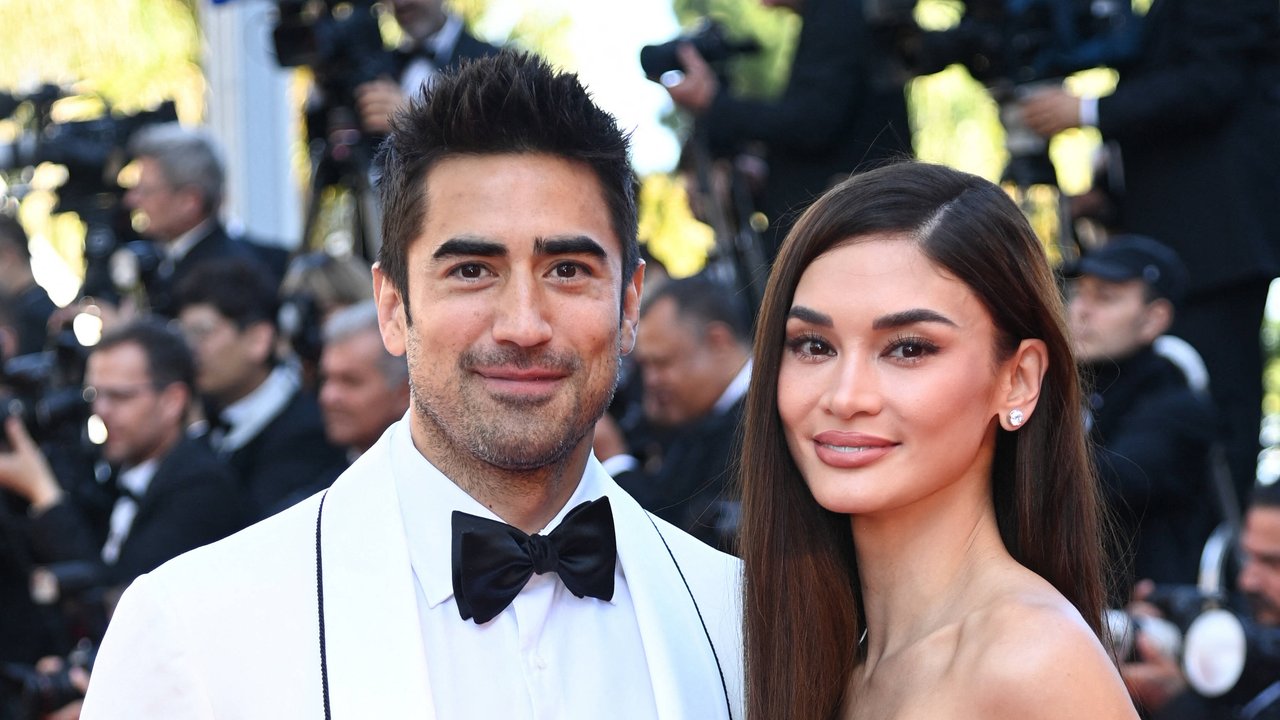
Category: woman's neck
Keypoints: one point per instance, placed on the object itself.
(919, 566)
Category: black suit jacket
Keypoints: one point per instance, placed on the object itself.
(693, 487)
(835, 117)
(1196, 117)
(1153, 438)
(216, 245)
(467, 47)
(289, 459)
(192, 501)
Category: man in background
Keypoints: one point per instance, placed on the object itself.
(1153, 434)
(363, 388)
(178, 195)
(434, 39)
(693, 352)
(262, 422)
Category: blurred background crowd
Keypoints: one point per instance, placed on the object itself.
(188, 214)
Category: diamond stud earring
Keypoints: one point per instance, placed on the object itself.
(1016, 417)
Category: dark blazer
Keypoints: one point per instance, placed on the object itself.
(467, 47)
(1153, 438)
(1196, 117)
(217, 245)
(835, 117)
(692, 486)
(192, 501)
(289, 459)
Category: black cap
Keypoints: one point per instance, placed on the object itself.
(1135, 257)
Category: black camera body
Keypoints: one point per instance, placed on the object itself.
(44, 389)
(708, 38)
(41, 693)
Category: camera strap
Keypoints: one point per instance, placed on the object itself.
(324, 662)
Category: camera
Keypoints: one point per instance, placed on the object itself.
(708, 38)
(44, 389)
(40, 693)
(93, 151)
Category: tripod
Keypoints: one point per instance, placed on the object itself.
(739, 258)
(340, 187)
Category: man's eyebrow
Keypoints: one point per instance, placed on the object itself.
(571, 245)
(464, 246)
(810, 316)
(910, 317)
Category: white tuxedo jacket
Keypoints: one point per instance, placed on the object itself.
(231, 630)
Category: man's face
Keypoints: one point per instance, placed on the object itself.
(1260, 574)
(142, 421)
(419, 18)
(168, 212)
(229, 361)
(356, 399)
(514, 285)
(1108, 320)
(683, 376)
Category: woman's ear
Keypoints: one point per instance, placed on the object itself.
(1023, 376)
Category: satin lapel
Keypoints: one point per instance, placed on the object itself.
(377, 666)
(686, 679)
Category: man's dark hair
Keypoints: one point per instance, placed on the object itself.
(13, 235)
(701, 300)
(512, 103)
(169, 358)
(237, 288)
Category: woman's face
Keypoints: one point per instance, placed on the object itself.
(889, 383)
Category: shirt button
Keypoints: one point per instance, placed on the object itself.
(540, 663)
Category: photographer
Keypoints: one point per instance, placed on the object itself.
(435, 39)
(170, 493)
(835, 117)
(179, 194)
(1157, 682)
(1152, 433)
(1194, 117)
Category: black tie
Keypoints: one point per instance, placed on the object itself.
(492, 560)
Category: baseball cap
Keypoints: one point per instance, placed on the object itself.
(1135, 257)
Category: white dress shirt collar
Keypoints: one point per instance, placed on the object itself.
(737, 388)
(247, 416)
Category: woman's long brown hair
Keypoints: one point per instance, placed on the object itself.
(802, 613)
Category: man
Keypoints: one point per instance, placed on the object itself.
(837, 114)
(363, 388)
(1156, 681)
(172, 493)
(179, 193)
(1192, 117)
(28, 305)
(1153, 433)
(263, 423)
(434, 40)
(693, 352)
(509, 276)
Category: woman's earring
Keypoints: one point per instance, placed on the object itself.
(1016, 417)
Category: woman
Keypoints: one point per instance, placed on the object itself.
(920, 524)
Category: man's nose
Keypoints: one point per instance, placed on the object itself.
(521, 318)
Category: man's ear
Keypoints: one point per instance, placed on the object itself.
(175, 398)
(632, 291)
(392, 323)
(1157, 318)
(262, 340)
(1023, 378)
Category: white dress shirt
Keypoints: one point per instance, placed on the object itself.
(135, 480)
(547, 655)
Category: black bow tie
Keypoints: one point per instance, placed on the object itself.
(492, 560)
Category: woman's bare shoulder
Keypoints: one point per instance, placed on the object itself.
(1029, 654)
